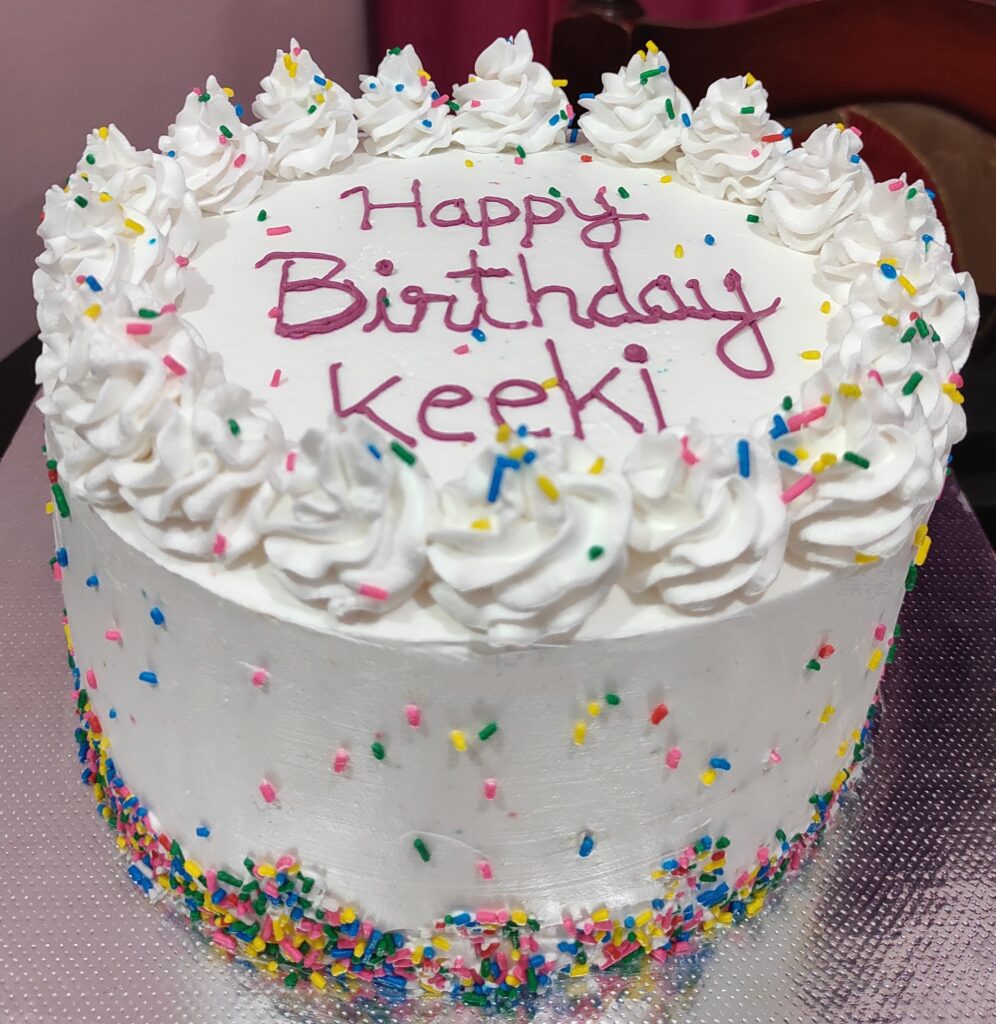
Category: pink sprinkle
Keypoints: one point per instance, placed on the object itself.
(568, 923)
(114, 635)
(475, 103)
(273, 313)
(957, 380)
(239, 160)
(284, 862)
(484, 869)
(895, 186)
(266, 790)
(440, 100)
(220, 544)
(297, 51)
(519, 160)
(673, 757)
(291, 461)
(341, 761)
(283, 229)
(291, 952)
(876, 376)
(490, 789)
(275, 379)
(222, 141)
(170, 307)
(91, 679)
(260, 677)
(182, 261)
(197, 90)
(570, 111)
(80, 278)
(138, 328)
(755, 153)
(807, 416)
(855, 129)
(486, 916)
(689, 457)
(211, 877)
(762, 854)
(57, 572)
(774, 757)
(880, 632)
(461, 350)
(371, 590)
(801, 485)
(172, 365)
(414, 715)
(742, 879)
(225, 940)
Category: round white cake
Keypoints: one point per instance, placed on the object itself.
(483, 535)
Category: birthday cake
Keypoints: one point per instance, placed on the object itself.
(483, 529)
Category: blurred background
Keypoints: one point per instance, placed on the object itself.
(918, 77)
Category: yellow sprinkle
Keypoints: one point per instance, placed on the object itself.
(888, 261)
(829, 459)
(519, 917)
(105, 197)
(417, 955)
(481, 524)
(291, 65)
(921, 552)
(597, 466)
(440, 942)
(512, 981)
(339, 967)
(458, 740)
(825, 306)
(517, 452)
(849, 390)
(278, 930)
(725, 917)
(318, 980)
(665, 179)
(843, 748)
(953, 393)
(92, 311)
(828, 712)
(49, 507)
(652, 47)
(891, 321)
(749, 79)
(503, 432)
(594, 709)
(258, 944)
(600, 915)
(876, 659)
(547, 486)
(266, 870)
(826, 399)
(319, 97)
(559, 83)
(102, 132)
(921, 532)
(907, 285)
(839, 126)
(579, 970)
(754, 907)
(838, 780)
(580, 731)
(856, 736)
(468, 163)
(708, 777)
(347, 916)
(228, 91)
(644, 918)
(133, 225)
(861, 558)
(802, 454)
(273, 965)
(811, 353)
(679, 251)
(549, 383)
(192, 868)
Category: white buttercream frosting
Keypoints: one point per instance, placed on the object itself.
(819, 185)
(222, 160)
(349, 525)
(724, 152)
(708, 520)
(637, 116)
(305, 119)
(400, 112)
(510, 101)
(536, 560)
(892, 219)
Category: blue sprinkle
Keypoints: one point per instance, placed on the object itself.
(428, 953)
(587, 845)
(669, 865)
(374, 451)
(318, 80)
(296, 914)
(477, 334)
(536, 961)
(710, 240)
(706, 842)
(786, 132)
(62, 557)
(522, 430)
(961, 292)
(686, 120)
(743, 457)
(586, 96)
(400, 87)
(426, 123)
(203, 831)
(113, 713)
(458, 919)
(171, 152)
(719, 763)
(371, 85)
(780, 427)
(149, 677)
(930, 193)
(239, 110)
(574, 135)
(529, 457)
(435, 94)
(889, 271)
(152, 241)
(629, 921)
(855, 159)
(93, 284)
(787, 457)
(555, 119)
(156, 614)
(926, 239)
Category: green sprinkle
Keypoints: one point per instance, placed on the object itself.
(787, 403)
(909, 335)
(563, 115)
(488, 731)
(623, 192)
(911, 385)
(555, 192)
(921, 327)
(613, 699)
(234, 427)
(307, 884)
(722, 843)
(403, 453)
(645, 76)
(898, 631)
(858, 460)
(377, 749)
(60, 500)
(746, 110)
(423, 850)
(261, 215)
(453, 105)
(312, 108)
(395, 50)
(224, 876)
(51, 464)
(780, 836)
(91, 159)
(148, 314)
(595, 552)
(387, 301)
(891, 656)
(752, 218)
(292, 979)
(813, 665)
(204, 97)
(81, 202)
(911, 576)
(911, 193)
(669, 107)
(521, 152)
(225, 130)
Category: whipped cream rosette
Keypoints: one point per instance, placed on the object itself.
(400, 112)
(892, 219)
(858, 472)
(305, 119)
(528, 543)
(708, 520)
(818, 186)
(637, 117)
(510, 102)
(222, 160)
(731, 148)
(348, 528)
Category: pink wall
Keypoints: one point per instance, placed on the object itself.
(74, 66)
(695, 12)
